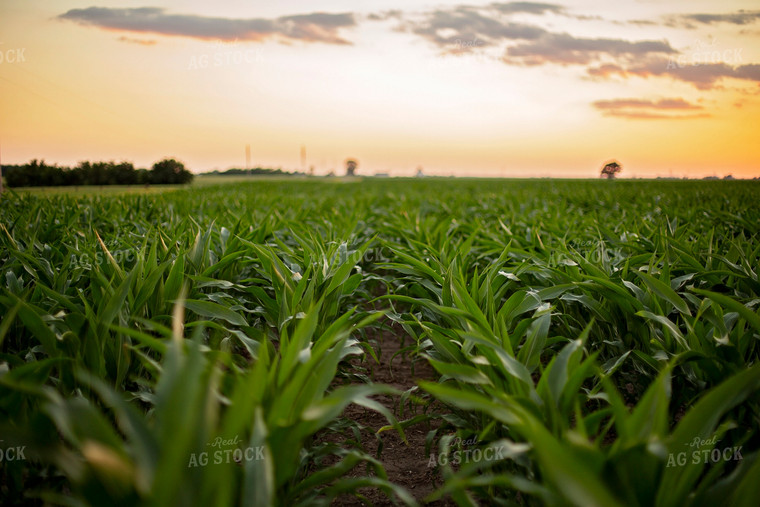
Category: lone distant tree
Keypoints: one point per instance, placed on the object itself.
(610, 169)
(351, 167)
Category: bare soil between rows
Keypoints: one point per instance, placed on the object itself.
(407, 464)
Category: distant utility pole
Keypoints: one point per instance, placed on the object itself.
(303, 158)
(247, 156)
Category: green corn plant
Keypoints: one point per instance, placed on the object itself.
(648, 464)
(595, 318)
(270, 412)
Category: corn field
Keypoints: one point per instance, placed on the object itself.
(587, 343)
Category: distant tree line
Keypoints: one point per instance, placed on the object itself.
(39, 174)
(255, 171)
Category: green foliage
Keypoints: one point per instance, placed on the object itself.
(254, 171)
(38, 174)
(170, 171)
(595, 334)
(537, 313)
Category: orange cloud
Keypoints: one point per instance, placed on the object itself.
(314, 27)
(704, 76)
(143, 42)
(663, 109)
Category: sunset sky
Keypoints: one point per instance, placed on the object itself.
(456, 87)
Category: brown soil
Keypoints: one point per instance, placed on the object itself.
(405, 463)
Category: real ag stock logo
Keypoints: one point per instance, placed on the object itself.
(697, 455)
(463, 451)
(225, 451)
(707, 53)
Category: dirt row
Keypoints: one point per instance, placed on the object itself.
(407, 464)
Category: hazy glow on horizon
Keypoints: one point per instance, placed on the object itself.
(547, 89)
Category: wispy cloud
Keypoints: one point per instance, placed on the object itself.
(466, 28)
(314, 27)
(445, 28)
(703, 77)
(641, 109)
(141, 42)
(385, 15)
(512, 27)
(565, 49)
(539, 9)
(456, 29)
(527, 7)
(504, 24)
(741, 17)
(641, 22)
